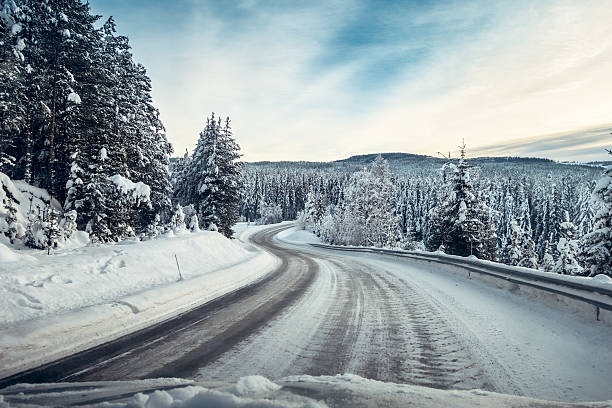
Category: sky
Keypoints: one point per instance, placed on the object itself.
(324, 80)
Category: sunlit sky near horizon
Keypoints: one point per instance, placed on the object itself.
(323, 80)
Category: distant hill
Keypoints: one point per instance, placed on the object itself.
(398, 161)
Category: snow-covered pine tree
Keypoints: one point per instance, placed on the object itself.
(586, 211)
(270, 214)
(548, 262)
(178, 219)
(382, 224)
(462, 223)
(51, 227)
(12, 108)
(596, 246)
(10, 227)
(68, 225)
(214, 177)
(567, 263)
(88, 192)
(514, 245)
(178, 171)
(529, 257)
(507, 216)
(66, 46)
(314, 210)
(364, 215)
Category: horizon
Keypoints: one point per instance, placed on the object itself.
(319, 81)
(438, 157)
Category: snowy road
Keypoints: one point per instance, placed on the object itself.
(323, 313)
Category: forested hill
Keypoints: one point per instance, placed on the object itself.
(400, 161)
(540, 197)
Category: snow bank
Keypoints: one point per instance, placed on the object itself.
(298, 237)
(89, 295)
(252, 385)
(292, 392)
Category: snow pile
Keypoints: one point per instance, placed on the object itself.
(298, 236)
(89, 294)
(252, 385)
(292, 392)
(353, 390)
(202, 397)
(7, 254)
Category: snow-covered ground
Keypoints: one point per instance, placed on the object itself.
(543, 350)
(82, 297)
(258, 392)
(394, 319)
(514, 344)
(295, 235)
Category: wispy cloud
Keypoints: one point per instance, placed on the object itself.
(321, 80)
(589, 144)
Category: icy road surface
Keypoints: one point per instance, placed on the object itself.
(324, 312)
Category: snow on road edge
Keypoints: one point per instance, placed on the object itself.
(297, 391)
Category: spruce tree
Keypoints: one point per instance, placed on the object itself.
(514, 247)
(596, 246)
(463, 222)
(214, 177)
(567, 247)
(567, 263)
(548, 262)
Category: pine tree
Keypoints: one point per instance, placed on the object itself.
(214, 177)
(463, 222)
(382, 224)
(567, 263)
(596, 246)
(529, 257)
(364, 215)
(514, 247)
(178, 219)
(548, 262)
(314, 210)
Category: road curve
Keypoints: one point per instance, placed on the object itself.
(405, 321)
(359, 320)
(179, 346)
(323, 312)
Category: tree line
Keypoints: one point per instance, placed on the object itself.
(536, 214)
(77, 120)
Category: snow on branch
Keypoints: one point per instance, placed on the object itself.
(126, 186)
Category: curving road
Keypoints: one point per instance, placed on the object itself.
(324, 313)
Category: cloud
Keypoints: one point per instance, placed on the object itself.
(563, 146)
(322, 80)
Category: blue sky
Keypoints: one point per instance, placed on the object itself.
(322, 80)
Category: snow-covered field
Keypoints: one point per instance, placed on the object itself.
(82, 297)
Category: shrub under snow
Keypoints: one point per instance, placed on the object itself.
(27, 217)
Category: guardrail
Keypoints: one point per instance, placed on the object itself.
(599, 297)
